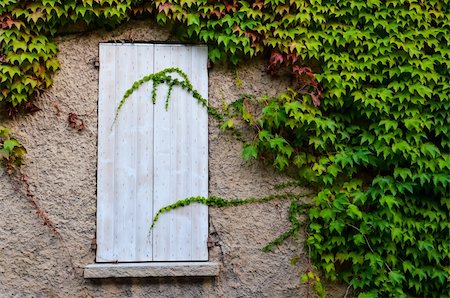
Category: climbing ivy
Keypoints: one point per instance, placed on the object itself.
(167, 76)
(381, 219)
(366, 123)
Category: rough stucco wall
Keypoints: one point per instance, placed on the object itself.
(61, 166)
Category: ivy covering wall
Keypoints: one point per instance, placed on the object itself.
(366, 123)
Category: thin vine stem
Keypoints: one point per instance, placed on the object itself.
(368, 244)
(296, 208)
(215, 201)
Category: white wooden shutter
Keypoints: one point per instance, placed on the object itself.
(151, 157)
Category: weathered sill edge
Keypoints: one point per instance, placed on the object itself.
(153, 269)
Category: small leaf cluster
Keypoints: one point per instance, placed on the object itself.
(12, 152)
(170, 77)
(317, 285)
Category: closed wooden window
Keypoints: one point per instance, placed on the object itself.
(151, 156)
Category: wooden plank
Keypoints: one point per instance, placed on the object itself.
(181, 237)
(144, 203)
(199, 154)
(105, 164)
(179, 161)
(172, 111)
(162, 186)
(125, 156)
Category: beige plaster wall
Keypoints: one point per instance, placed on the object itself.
(61, 166)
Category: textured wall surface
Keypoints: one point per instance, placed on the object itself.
(61, 166)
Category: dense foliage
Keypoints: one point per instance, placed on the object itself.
(367, 122)
(381, 218)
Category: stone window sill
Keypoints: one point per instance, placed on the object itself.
(153, 269)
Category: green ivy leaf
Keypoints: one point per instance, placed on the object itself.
(404, 173)
(371, 294)
(277, 142)
(215, 54)
(281, 162)
(9, 145)
(396, 277)
(430, 150)
(390, 201)
(337, 225)
(193, 19)
(354, 212)
(249, 152)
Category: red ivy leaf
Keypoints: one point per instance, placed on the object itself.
(274, 62)
(303, 71)
(276, 58)
(307, 83)
(217, 13)
(165, 7)
(6, 22)
(315, 99)
(231, 7)
(253, 38)
(292, 57)
(237, 29)
(258, 4)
